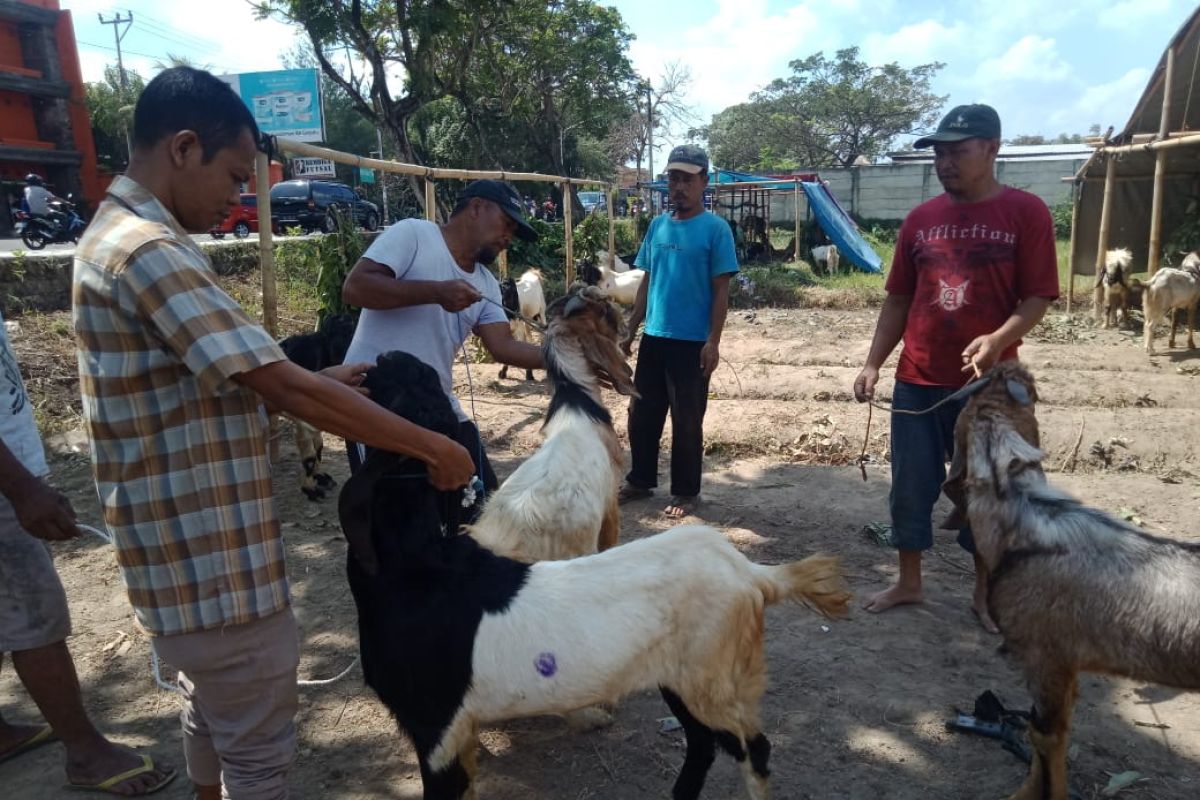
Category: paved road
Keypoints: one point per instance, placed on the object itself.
(9, 245)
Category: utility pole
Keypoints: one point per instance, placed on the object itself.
(383, 176)
(118, 35)
(649, 138)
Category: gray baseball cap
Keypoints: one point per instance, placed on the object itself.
(689, 158)
(975, 121)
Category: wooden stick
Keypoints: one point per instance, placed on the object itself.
(1102, 245)
(503, 264)
(266, 266)
(1160, 168)
(612, 228)
(796, 211)
(430, 200)
(1076, 194)
(568, 232)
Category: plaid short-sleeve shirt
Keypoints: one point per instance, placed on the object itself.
(179, 449)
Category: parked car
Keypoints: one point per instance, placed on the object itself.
(242, 221)
(593, 201)
(314, 204)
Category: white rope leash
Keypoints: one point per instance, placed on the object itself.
(156, 665)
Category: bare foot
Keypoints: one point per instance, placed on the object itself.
(895, 596)
(985, 619)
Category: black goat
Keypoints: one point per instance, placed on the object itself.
(324, 347)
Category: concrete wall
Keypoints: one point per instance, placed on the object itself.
(890, 191)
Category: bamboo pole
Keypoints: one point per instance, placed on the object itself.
(266, 265)
(401, 168)
(1187, 140)
(568, 233)
(796, 210)
(1160, 169)
(430, 200)
(1102, 244)
(612, 229)
(266, 244)
(1076, 193)
(503, 264)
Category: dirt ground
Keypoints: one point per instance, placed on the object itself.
(855, 709)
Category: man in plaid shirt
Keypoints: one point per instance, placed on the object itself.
(174, 376)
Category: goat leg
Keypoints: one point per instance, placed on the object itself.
(701, 749)
(1191, 326)
(1054, 699)
(1174, 321)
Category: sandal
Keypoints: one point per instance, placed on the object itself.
(681, 507)
(629, 492)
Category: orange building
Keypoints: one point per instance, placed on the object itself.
(44, 122)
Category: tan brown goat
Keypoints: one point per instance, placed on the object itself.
(1071, 588)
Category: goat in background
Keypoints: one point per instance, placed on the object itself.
(523, 297)
(826, 258)
(1168, 290)
(1118, 286)
(324, 347)
(1071, 588)
(454, 636)
(620, 286)
(562, 501)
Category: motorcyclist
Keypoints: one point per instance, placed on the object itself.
(38, 199)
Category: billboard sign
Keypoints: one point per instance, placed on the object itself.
(313, 168)
(284, 102)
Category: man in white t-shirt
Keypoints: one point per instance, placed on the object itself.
(34, 619)
(423, 289)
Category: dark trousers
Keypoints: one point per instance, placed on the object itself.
(668, 378)
(468, 436)
(921, 446)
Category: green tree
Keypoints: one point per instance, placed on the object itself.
(110, 106)
(828, 112)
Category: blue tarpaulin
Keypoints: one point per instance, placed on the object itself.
(840, 229)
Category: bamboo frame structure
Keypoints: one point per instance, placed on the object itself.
(431, 174)
(798, 226)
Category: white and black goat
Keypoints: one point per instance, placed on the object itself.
(1118, 286)
(1071, 588)
(826, 258)
(562, 501)
(620, 286)
(324, 347)
(1168, 290)
(454, 636)
(523, 299)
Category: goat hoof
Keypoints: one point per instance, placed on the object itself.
(591, 718)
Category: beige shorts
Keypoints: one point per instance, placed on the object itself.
(33, 605)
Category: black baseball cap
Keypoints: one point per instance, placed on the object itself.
(975, 121)
(507, 198)
(689, 158)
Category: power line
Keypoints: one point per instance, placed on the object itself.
(158, 23)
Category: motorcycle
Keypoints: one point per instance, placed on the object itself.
(66, 226)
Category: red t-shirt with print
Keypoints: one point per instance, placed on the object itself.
(968, 266)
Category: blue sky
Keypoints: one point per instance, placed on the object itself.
(1048, 67)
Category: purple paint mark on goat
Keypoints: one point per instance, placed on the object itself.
(545, 664)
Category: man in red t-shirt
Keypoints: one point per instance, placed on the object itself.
(974, 270)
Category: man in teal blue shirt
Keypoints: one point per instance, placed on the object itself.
(689, 259)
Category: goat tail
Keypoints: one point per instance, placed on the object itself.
(816, 582)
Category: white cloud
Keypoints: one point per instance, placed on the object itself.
(918, 43)
(1108, 103)
(1030, 58)
(1135, 13)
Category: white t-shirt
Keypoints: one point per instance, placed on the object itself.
(37, 197)
(17, 428)
(415, 250)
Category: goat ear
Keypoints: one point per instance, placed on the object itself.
(354, 509)
(1017, 391)
(603, 354)
(1010, 454)
(575, 304)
